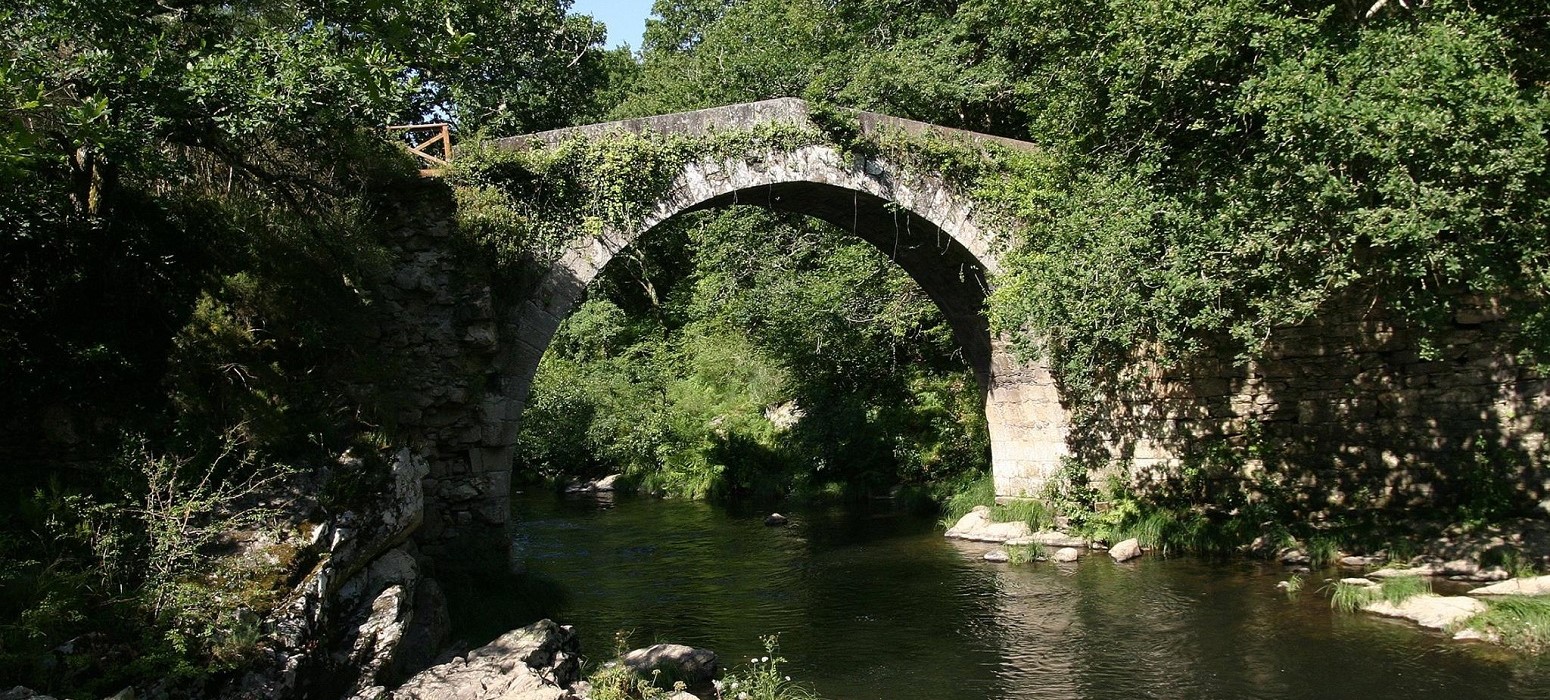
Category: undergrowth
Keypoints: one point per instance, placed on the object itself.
(1520, 622)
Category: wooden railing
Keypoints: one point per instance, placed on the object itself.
(425, 150)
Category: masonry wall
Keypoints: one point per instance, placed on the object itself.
(447, 335)
(1343, 413)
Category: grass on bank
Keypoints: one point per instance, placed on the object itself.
(1520, 622)
(1349, 597)
(982, 492)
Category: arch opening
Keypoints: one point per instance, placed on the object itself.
(917, 223)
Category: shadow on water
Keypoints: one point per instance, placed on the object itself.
(870, 603)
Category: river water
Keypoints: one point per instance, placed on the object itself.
(871, 604)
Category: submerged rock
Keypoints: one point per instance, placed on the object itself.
(676, 662)
(1127, 550)
(1536, 585)
(1066, 554)
(1051, 539)
(606, 483)
(776, 520)
(1429, 610)
(999, 556)
(977, 526)
(537, 662)
(1364, 583)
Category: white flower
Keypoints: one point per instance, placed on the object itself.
(763, 659)
(788, 678)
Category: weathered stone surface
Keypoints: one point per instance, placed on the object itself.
(1396, 572)
(1066, 554)
(775, 520)
(1537, 585)
(1127, 550)
(1364, 583)
(1460, 567)
(426, 635)
(1429, 610)
(606, 483)
(23, 693)
(537, 662)
(976, 526)
(676, 662)
(1476, 635)
(998, 556)
(1051, 539)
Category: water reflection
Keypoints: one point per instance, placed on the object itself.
(873, 604)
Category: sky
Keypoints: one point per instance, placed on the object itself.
(626, 19)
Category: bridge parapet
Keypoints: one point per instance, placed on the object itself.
(782, 110)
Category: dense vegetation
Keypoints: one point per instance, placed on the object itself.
(188, 195)
(187, 200)
(749, 353)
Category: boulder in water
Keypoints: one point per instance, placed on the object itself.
(776, 520)
(676, 662)
(1127, 550)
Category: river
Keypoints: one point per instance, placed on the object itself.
(869, 603)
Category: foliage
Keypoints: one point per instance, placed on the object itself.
(972, 491)
(679, 370)
(1208, 172)
(761, 679)
(1293, 586)
(1521, 622)
(527, 203)
(1350, 597)
(191, 205)
(1018, 554)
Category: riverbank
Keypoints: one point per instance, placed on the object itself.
(1500, 598)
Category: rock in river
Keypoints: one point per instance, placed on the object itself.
(1536, 585)
(1428, 610)
(1127, 550)
(776, 520)
(978, 527)
(1066, 554)
(998, 556)
(676, 662)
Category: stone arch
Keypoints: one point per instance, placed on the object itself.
(926, 228)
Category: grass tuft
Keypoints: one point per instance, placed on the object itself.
(1294, 586)
(1349, 597)
(1521, 622)
(1024, 553)
(1322, 552)
(1030, 511)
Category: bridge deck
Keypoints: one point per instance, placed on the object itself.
(784, 110)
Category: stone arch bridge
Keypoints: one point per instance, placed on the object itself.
(480, 356)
